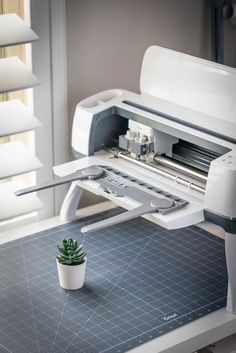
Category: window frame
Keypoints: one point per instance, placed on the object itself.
(48, 20)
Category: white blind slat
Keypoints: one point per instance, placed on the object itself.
(14, 206)
(13, 30)
(15, 159)
(15, 118)
(15, 75)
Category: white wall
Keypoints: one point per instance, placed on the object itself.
(107, 39)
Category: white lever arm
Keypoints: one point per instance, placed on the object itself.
(91, 173)
(153, 206)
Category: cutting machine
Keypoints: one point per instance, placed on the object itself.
(168, 153)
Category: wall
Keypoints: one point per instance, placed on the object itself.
(107, 39)
(230, 44)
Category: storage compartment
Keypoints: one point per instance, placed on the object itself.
(101, 98)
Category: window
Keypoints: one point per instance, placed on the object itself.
(48, 101)
(16, 148)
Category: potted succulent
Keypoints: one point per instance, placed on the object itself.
(71, 264)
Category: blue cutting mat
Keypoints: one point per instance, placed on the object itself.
(142, 281)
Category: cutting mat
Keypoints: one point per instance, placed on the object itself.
(142, 281)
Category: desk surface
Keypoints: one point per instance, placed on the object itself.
(188, 338)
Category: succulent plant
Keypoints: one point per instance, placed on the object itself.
(71, 253)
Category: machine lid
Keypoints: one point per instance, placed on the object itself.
(191, 82)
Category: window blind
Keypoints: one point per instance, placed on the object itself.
(15, 118)
(15, 158)
(13, 30)
(15, 75)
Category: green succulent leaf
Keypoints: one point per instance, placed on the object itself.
(71, 253)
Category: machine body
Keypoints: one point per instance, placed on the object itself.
(168, 153)
(177, 135)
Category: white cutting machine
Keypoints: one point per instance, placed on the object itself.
(168, 153)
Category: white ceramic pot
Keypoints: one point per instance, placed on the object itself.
(71, 277)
